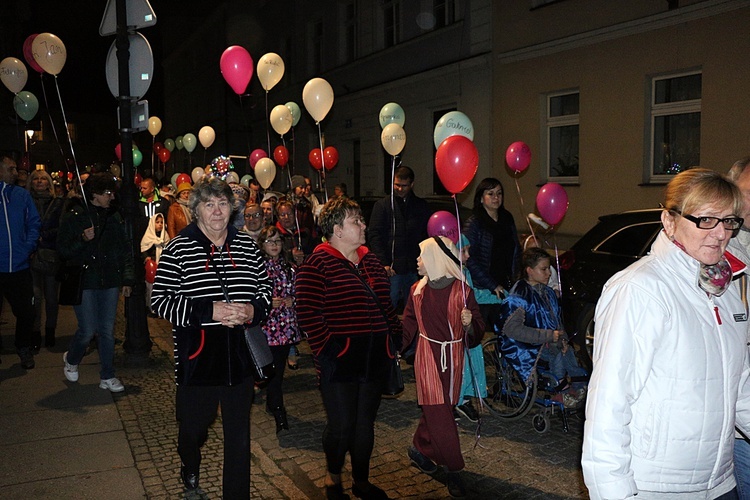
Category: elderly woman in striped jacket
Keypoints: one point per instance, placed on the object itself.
(211, 281)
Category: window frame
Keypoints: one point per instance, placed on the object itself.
(551, 122)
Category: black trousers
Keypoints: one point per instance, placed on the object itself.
(351, 408)
(274, 393)
(196, 410)
(18, 290)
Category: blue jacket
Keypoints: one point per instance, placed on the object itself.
(19, 228)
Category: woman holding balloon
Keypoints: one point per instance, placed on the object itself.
(495, 249)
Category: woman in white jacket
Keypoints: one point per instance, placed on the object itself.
(670, 363)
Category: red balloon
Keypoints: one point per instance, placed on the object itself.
(443, 223)
(257, 155)
(137, 179)
(118, 151)
(28, 53)
(316, 159)
(150, 270)
(281, 156)
(552, 202)
(182, 178)
(518, 156)
(164, 155)
(237, 67)
(331, 156)
(158, 146)
(456, 162)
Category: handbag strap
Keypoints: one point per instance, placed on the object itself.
(369, 289)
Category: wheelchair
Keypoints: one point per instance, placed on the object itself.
(514, 388)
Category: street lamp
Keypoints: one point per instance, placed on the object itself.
(29, 135)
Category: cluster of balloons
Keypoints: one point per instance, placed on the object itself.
(137, 155)
(236, 66)
(206, 136)
(328, 158)
(392, 119)
(457, 158)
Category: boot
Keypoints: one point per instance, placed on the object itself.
(49, 337)
(279, 414)
(36, 341)
(27, 358)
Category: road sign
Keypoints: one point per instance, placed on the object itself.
(141, 66)
(140, 15)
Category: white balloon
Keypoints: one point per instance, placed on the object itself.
(270, 70)
(265, 172)
(317, 97)
(452, 123)
(393, 138)
(207, 136)
(13, 74)
(281, 119)
(197, 174)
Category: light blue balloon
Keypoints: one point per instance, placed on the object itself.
(296, 112)
(178, 143)
(26, 105)
(453, 123)
(245, 181)
(391, 113)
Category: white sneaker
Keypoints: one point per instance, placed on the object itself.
(113, 384)
(71, 371)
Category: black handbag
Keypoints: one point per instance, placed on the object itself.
(256, 340)
(45, 261)
(71, 285)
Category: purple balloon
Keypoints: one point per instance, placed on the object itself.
(443, 223)
(552, 202)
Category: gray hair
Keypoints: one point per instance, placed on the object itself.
(207, 188)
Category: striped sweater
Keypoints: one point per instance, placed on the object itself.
(187, 285)
(331, 300)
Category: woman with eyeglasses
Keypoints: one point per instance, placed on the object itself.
(93, 235)
(670, 378)
(280, 326)
(344, 307)
(253, 221)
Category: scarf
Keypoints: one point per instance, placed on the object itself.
(150, 238)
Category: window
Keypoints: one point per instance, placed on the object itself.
(316, 46)
(348, 32)
(562, 135)
(444, 12)
(631, 241)
(391, 22)
(675, 124)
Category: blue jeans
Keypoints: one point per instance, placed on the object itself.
(400, 286)
(96, 315)
(742, 468)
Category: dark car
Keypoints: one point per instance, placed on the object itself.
(614, 243)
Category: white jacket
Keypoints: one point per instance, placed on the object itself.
(670, 368)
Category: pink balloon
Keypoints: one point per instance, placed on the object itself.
(443, 223)
(28, 53)
(237, 68)
(518, 156)
(552, 202)
(257, 155)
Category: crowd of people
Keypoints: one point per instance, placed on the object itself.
(671, 330)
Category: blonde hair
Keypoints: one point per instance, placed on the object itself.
(700, 186)
(40, 173)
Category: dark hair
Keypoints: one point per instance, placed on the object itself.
(531, 257)
(98, 183)
(484, 185)
(334, 212)
(404, 172)
(268, 232)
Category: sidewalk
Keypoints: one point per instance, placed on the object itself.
(61, 440)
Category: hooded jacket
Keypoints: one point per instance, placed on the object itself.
(670, 381)
(20, 228)
(185, 289)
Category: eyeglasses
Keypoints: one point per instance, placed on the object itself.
(253, 216)
(107, 193)
(272, 242)
(705, 222)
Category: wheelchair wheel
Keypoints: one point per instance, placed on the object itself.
(508, 396)
(540, 422)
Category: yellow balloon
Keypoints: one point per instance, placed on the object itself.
(281, 119)
(49, 53)
(154, 125)
(265, 172)
(13, 74)
(317, 97)
(270, 70)
(207, 136)
(393, 138)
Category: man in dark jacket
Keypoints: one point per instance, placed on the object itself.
(398, 249)
(18, 240)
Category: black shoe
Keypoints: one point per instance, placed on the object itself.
(49, 337)
(468, 411)
(336, 492)
(456, 416)
(190, 480)
(282, 424)
(368, 491)
(27, 359)
(455, 485)
(421, 462)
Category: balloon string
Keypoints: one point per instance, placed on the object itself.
(153, 153)
(268, 123)
(323, 162)
(557, 263)
(460, 248)
(523, 211)
(72, 151)
(247, 129)
(393, 211)
(294, 149)
(51, 122)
